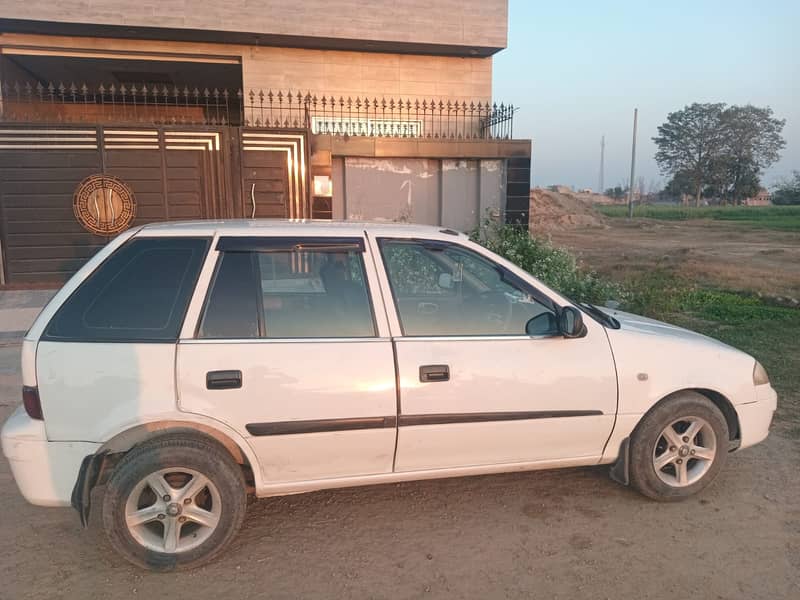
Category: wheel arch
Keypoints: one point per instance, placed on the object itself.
(620, 467)
(719, 400)
(727, 409)
(97, 468)
(138, 434)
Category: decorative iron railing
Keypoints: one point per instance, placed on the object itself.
(326, 115)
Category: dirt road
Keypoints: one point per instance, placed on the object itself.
(715, 252)
(559, 534)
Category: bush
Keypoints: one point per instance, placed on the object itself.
(788, 192)
(555, 267)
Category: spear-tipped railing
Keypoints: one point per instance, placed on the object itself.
(159, 104)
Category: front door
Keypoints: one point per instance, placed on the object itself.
(476, 389)
(289, 353)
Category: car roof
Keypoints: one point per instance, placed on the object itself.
(295, 227)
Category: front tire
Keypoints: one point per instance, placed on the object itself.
(174, 503)
(678, 448)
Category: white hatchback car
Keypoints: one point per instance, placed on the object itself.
(187, 364)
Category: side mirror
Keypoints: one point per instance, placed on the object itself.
(570, 323)
(445, 281)
(542, 324)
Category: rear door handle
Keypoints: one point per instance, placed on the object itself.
(434, 373)
(223, 380)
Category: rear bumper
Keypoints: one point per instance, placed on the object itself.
(45, 471)
(756, 417)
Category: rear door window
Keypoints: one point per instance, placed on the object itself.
(297, 292)
(139, 294)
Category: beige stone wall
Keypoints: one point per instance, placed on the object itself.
(368, 74)
(319, 72)
(480, 23)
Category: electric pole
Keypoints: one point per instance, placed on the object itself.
(602, 164)
(633, 164)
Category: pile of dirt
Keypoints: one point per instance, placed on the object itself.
(552, 210)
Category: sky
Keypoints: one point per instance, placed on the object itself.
(577, 69)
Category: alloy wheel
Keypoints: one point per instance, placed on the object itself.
(173, 510)
(684, 451)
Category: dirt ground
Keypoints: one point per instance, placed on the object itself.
(711, 252)
(552, 534)
(552, 210)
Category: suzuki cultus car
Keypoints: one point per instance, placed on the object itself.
(189, 364)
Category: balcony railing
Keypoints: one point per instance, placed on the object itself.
(324, 115)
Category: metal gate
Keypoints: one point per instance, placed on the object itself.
(175, 173)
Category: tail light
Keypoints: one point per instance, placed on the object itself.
(30, 399)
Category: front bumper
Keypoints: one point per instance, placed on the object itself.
(45, 471)
(756, 417)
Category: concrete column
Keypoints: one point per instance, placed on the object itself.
(492, 189)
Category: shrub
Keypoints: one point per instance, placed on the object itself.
(555, 267)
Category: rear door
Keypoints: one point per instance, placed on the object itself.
(292, 353)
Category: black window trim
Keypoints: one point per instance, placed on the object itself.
(290, 243)
(45, 337)
(207, 298)
(440, 245)
(287, 244)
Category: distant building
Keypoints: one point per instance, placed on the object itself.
(762, 198)
(561, 189)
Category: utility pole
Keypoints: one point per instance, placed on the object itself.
(633, 164)
(602, 164)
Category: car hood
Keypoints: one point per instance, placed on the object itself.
(644, 325)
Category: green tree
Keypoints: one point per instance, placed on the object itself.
(691, 142)
(617, 192)
(788, 191)
(679, 186)
(752, 142)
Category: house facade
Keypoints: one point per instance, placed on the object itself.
(115, 113)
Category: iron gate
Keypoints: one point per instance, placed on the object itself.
(175, 173)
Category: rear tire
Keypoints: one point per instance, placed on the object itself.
(678, 448)
(174, 503)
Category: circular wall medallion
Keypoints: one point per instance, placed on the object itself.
(104, 205)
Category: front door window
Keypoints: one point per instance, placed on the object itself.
(447, 290)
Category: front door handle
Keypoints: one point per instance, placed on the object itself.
(223, 380)
(434, 373)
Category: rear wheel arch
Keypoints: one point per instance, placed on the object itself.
(126, 440)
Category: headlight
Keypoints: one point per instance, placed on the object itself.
(760, 376)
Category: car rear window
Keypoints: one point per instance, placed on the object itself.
(139, 294)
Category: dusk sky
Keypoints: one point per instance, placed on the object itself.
(577, 70)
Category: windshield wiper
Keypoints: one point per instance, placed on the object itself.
(599, 315)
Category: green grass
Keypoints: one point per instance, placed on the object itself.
(785, 218)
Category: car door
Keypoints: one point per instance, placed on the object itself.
(475, 387)
(290, 352)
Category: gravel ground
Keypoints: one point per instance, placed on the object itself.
(557, 534)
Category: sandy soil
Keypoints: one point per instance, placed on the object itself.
(559, 534)
(712, 252)
(553, 211)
